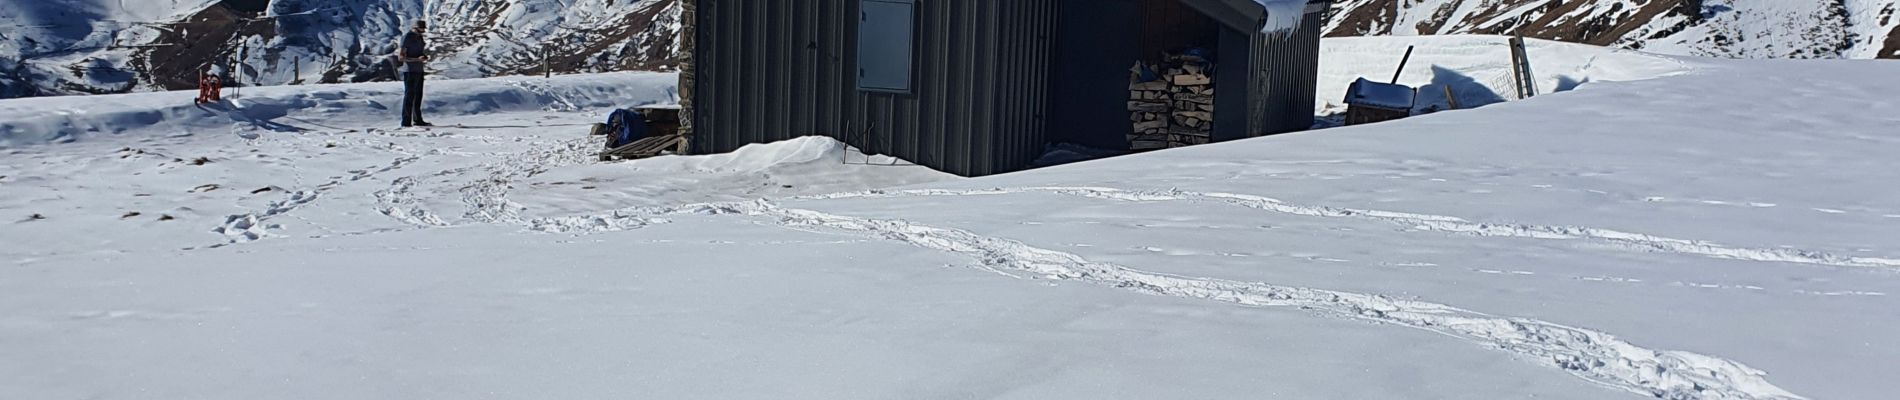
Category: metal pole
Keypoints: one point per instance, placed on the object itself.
(1402, 62)
(237, 74)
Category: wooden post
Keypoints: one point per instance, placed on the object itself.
(1521, 68)
(1449, 99)
(1517, 74)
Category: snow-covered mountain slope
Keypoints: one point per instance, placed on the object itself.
(1717, 28)
(101, 46)
(62, 47)
(485, 38)
(1724, 230)
(78, 46)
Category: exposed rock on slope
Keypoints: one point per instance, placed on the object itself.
(1717, 28)
(106, 46)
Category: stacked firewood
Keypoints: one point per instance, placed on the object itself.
(1174, 111)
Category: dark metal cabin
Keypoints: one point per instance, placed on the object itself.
(976, 87)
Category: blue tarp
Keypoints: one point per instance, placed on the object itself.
(627, 126)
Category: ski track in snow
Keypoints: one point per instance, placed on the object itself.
(1424, 222)
(1595, 356)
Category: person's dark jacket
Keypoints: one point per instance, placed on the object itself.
(413, 47)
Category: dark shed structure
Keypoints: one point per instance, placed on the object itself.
(977, 87)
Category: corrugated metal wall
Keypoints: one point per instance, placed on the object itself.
(771, 70)
(1286, 73)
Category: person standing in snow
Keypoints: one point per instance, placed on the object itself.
(413, 53)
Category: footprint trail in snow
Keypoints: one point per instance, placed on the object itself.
(1596, 356)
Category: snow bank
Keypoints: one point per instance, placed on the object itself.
(302, 108)
(757, 158)
(803, 166)
(1477, 68)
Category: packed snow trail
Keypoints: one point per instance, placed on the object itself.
(1421, 221)
(1597, 356)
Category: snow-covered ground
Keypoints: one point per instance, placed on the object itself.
(315, 109)
(1477, 68)
(517, 148)
(1723, 230)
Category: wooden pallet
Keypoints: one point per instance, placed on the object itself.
(646, 148)
(663, 122)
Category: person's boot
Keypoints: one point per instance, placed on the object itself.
(424, 124)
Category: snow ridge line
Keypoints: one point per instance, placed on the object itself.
(1422, 221)
(1592, 355)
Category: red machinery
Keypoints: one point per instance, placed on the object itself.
(209, 87)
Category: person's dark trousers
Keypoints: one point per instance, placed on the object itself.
(412, 99)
